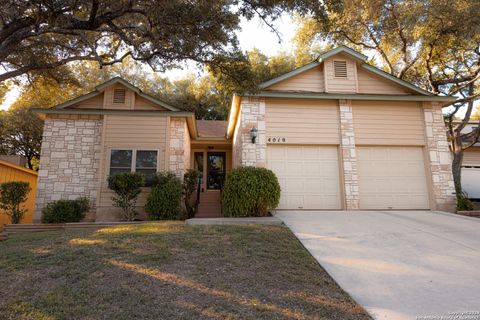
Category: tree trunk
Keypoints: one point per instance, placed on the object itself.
(457, 171)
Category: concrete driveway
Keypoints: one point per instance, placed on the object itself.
(397, 264)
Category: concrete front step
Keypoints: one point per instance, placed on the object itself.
(234, 221)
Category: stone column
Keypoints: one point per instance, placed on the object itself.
(349, 156)
(179, 147)
(439, 157)
(252, 114)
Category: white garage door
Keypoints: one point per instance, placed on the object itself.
(308, 176)
(392, 178)
(471, 181)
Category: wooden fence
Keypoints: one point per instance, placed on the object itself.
(11, 172)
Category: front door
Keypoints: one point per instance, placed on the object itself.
(215, 170)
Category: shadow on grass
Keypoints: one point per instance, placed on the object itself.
(167, 270)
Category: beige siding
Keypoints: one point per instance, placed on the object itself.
(311, 80)
(303, 121)
(108, 98)
(144, 104)
(131, 132)
(92, 103)
(334, 84)
(471, 157)
(388, 123)
(369, 82)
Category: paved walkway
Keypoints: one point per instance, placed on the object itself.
(234, 221)
(397, 264)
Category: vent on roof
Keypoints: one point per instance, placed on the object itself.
(340, 68)
(118, 95)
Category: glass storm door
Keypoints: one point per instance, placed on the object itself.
(215, 170)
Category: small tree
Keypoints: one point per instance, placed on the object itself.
(190, 183)
(12, 194)
(127, 188)
(164, 201)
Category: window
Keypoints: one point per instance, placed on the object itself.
(143, 161)
(118, 95)
(340, 68)
(146, 163)
(120, 161)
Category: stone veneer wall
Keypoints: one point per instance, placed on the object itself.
(349, 156)
(179, 148)
(252, 114)
(440, 158)
(70, 159)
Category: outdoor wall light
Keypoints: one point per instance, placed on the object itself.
(253, 134)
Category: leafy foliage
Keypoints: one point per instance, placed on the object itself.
(65, 211)
(21, 134)
(464, 203)
(164, 201)
(190, 184)
(250, 191)
(12, 195)
(127, 188)
(35, 37)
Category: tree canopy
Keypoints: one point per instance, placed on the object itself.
(38, 35)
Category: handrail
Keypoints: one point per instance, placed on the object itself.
(199, 187)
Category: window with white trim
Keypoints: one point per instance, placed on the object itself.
(143, 161)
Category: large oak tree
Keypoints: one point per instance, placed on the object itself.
(37, 35)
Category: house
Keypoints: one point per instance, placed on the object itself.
(471, 167)
(338, 132)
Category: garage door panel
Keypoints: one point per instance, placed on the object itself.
(392, 178)
(471, 182)
(309, 176)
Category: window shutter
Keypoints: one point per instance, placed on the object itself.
(340, 68)
(119, 96)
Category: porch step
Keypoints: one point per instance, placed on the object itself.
(209, 206)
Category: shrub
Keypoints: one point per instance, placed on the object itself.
(250, 192)
(127, 188)
(464, 203)
(62, 211)
(164, 201)
(190, 183)
(12, 195)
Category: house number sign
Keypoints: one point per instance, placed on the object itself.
(277, 140)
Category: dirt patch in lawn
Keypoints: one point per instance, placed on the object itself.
(167, 271)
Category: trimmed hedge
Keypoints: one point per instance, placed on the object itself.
(250, 192)
(62, 211)
(164, 202)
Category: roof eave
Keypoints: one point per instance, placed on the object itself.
(159, 113)
(335, 96)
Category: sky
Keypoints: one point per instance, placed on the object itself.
(253, 34)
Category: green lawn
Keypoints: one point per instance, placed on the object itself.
(167, 271)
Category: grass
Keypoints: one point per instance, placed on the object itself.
(167, 271)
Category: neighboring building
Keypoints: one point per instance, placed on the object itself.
(471, 167)
(12, 172)
(338, 133)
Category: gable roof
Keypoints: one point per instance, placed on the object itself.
(350, 52)
(101, 87)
